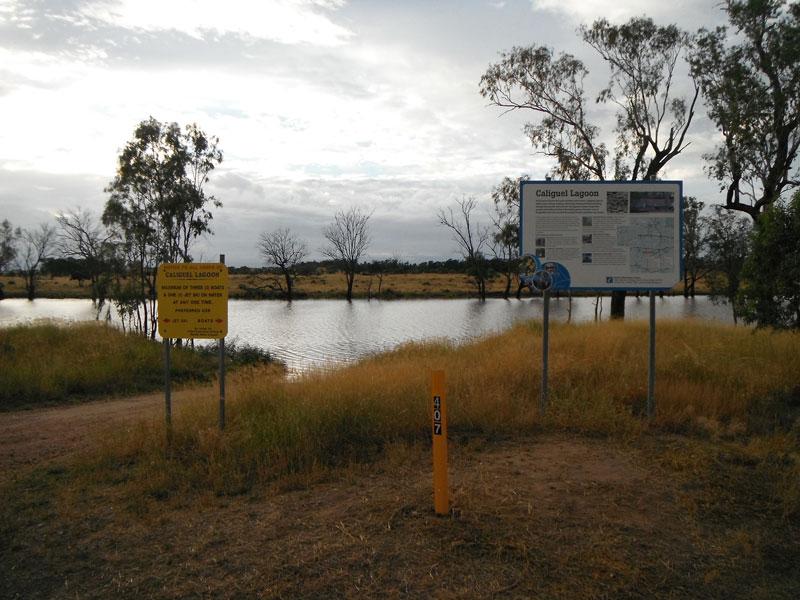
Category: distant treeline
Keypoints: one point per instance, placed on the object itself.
(391, 266)
(78, 269)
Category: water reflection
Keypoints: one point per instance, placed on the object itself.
(319, 333)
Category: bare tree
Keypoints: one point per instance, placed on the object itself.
(281, 250)
(85, 238)
(348, 238)
(35, 247)
(472, 240)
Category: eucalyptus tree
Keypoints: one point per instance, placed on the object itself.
(8, 247)
(505, 239)
(652, 118)
(158, 207)
(9, 237)
(750, 78)
(694, 244)
(347, 240)
(771, 296)
(728, 246)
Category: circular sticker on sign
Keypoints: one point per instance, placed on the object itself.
(542, 280)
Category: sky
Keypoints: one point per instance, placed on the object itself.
(319, 105)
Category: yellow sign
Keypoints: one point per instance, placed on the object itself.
(192, 300)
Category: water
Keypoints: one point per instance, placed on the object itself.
(321, 333)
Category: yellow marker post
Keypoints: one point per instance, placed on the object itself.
(441, 496)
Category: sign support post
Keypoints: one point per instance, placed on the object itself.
(222, 372)
(167, 387)
(651, 380)
(441, 499)
(545, 350)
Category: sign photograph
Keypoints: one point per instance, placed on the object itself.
(192, 300)
(601, 235)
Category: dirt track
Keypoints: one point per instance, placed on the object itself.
(30, 437)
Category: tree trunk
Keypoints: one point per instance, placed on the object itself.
(350, 277)
(288, 277)
(30, 285)
(618, 304)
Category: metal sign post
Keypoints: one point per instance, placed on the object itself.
(651, 380)
(222, 372)
(545, 351)
(167, 386)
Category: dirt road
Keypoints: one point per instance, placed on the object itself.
(35, 436)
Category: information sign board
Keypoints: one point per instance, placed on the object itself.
(588, 235)
(192, 300)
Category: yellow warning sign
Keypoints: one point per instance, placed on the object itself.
(192, 300)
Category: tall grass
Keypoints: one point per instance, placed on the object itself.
(712, 379)
(46, 363)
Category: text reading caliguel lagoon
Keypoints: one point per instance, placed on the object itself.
(190, 274)
(572, 193)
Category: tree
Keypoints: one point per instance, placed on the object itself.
(771, 294)
(348, 238)
(751, 84)
(8, 244)
(651, 121)
(694, 245)
(8, 247)
(158, 208)
(727, 250)
(471, 239)
(505, 246)
(82, 237)
(282, 251)
(35, 247)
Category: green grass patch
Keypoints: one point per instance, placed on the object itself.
(49, 363)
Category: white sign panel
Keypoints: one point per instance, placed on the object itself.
(602, 235)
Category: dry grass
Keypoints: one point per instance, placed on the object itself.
(712, 380)
(320, 487)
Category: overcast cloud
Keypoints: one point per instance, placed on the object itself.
(318, 104)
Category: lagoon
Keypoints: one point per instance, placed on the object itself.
(309, 334)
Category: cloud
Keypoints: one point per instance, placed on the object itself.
(689, 14)
(284, 21)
